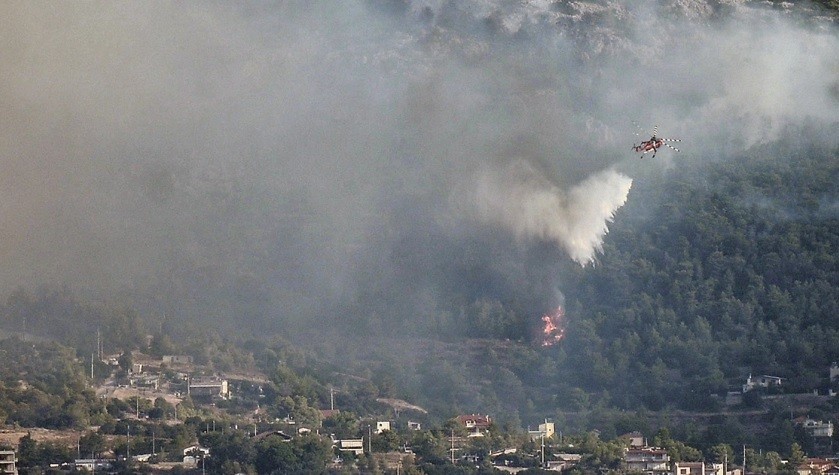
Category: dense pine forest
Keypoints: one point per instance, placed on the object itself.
(719, 270)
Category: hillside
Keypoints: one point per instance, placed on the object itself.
(391, 196)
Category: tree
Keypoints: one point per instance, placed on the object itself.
(27, 451)
(274, 454)
(126, 360)
(386, 441)
(233, 446)
(796, 455)
(313, 453)
(343, 425)
(721, 453)
(91, 444)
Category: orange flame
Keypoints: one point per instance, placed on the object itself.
(554, 328)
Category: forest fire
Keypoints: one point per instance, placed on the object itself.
(554, 328)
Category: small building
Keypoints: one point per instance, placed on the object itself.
(150, 381)
(635, 439)
(476, 424)
(414, 425)
(688, 468)
(813, 465)
(563, 461)
(196, 450)
(177, 359)
(382, 426)
(833, 470)
(715, 469)
(649, 460)
(763, 381)
(215, 388)
(815, 428)
(93, 465)
(545, 430)
(355, 446)
(8, 462)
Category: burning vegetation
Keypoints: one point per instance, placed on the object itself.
(554, 327)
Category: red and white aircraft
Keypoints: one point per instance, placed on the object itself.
(653, 144)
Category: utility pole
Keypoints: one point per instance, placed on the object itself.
(744, 459)
(452, 449)
(543, 450)
(128, 445)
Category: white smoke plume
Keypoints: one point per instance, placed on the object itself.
(529, 204)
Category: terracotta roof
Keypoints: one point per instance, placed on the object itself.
(475, 420)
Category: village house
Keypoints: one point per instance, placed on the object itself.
(93, 465)
(355, 446)
(147, 381)
(177, 359)
(382, 426)
(476, 424)
(563, 461)
(813, 465)
(8, 462)
(688, 468)
(763, 381)
(649, 460)
(193, 454)
(545, 430)
(635, 439)
(214, 388)
(815, 428)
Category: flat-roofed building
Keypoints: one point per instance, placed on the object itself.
(8, 462)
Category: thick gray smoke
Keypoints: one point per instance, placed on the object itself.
(271, 162)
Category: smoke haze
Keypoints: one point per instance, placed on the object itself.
(270, 163)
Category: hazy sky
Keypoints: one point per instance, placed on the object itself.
(276, 161)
